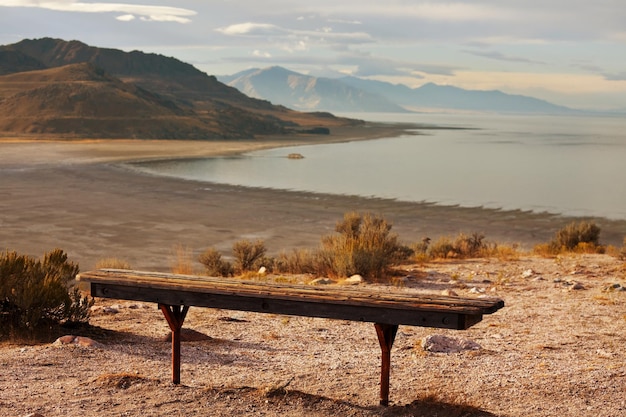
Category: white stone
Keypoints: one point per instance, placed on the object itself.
(262, 270)
(354, 279)
(528, 273)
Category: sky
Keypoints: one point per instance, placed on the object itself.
(569, 52)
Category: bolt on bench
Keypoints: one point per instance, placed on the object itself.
(387, 310)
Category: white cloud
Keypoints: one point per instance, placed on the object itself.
(251, 29)
(261, 54)
(146, 12)
(126, 17)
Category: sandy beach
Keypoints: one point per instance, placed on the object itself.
(78, 196)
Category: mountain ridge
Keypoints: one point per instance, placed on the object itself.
(387, 97)
(307, 93)
(184, 101)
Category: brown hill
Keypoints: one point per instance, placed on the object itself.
(229, 112)
(15, 61)
(84, 101)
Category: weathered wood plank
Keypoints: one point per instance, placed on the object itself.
(328, 302)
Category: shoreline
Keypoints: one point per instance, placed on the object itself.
(79, 197)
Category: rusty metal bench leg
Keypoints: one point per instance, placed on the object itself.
(175, 316)
(386, 336)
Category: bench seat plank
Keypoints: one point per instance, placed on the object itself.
(357, 304)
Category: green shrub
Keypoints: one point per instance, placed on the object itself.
(36, 293)
(248, 255)
(214, 264)
(364, 245)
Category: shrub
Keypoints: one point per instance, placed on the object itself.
(364, 245)
(464, 246)
(441, 248)
(214, 264)
(580, 237)
(574, 234)
(470, 246)
(36, 293)
(298, 261)
(248, 255)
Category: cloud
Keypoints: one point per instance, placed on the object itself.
(498, 56)
(616, 76)
(145, 12)
(295, 37)
(126, 17)
(251, 29)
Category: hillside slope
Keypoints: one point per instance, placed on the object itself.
(83, 100)
(179, 100)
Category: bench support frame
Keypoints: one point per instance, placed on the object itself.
(175, 316)
(386, 336)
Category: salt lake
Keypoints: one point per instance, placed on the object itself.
(558, 164)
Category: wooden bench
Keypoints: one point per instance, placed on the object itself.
(387, 310)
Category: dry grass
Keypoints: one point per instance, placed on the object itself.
(182, 260)
(123, 380)
(113, 263)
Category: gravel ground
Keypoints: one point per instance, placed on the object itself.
(555, 349)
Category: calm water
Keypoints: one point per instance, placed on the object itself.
(557, 164)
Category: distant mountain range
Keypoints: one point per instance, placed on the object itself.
(352, 94)
(67, 88)
(298, 91)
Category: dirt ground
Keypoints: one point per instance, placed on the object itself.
(555, 349)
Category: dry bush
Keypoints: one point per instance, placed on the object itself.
(214, 264)
(581, 237)
(37, 293)
(464, 246)
(248, 255)
(364, 245)
(112, 263)
(574, 234)
(505, 252)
